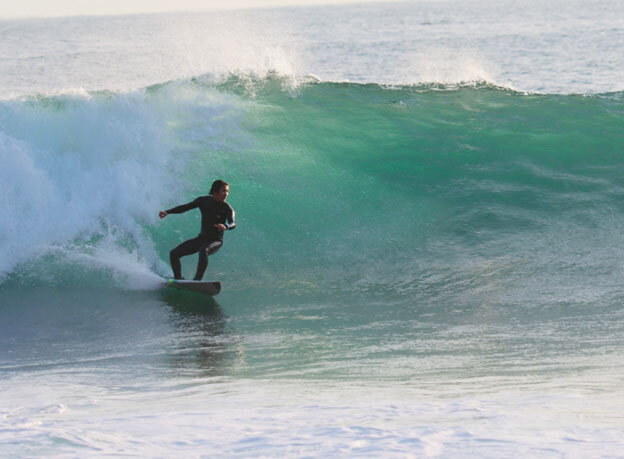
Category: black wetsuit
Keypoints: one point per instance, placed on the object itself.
(209, 240)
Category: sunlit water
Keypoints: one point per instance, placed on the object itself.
(427, 265)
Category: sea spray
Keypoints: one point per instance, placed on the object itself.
(78, 164)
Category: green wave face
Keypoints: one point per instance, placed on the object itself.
(364, 187)
(369, 189)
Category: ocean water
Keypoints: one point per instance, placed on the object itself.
(428, 258)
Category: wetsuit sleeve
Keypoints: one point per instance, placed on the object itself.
(231, 220)
(184, 207)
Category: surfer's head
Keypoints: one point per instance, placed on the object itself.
(220, 190)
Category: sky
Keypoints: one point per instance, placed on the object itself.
(47, 8)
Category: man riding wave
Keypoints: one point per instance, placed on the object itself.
(217, 216)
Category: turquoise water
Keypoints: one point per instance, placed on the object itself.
(427, 269)
(453, 251)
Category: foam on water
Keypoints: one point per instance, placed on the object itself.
(81, 165)
(290, 419)
(129, 269)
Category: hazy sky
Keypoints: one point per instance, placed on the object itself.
(26, 8)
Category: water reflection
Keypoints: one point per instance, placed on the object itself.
(201, 344)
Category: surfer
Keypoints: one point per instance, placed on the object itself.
(217, 216)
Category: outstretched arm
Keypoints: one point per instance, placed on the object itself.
(179, 209)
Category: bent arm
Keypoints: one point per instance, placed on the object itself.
(230, 223)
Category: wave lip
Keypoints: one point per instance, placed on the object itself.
(252, 83)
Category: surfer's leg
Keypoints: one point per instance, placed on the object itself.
(204, 251)
(186, 248)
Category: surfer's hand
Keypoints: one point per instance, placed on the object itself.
(220, 226)
(162, 214)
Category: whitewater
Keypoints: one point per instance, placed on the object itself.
(428, 253)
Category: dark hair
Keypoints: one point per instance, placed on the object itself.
(217, 186)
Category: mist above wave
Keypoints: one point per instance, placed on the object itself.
(548, 47)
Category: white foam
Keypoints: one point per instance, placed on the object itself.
(281, 418)
(79, 165)
(130, 269)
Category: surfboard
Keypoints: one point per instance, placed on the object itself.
(207, 287)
